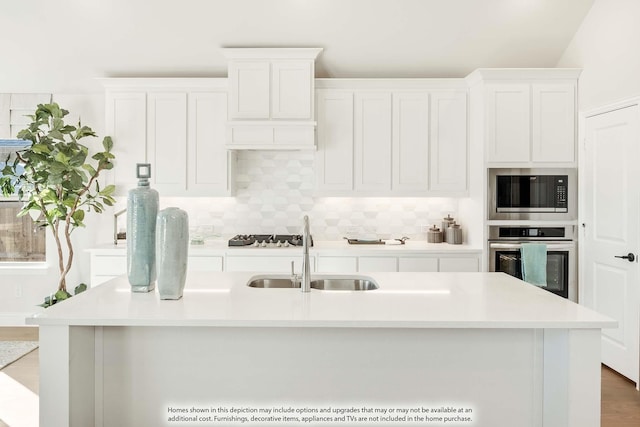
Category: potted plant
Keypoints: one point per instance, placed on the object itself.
(57, 181)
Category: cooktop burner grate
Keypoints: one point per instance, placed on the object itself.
(268, 240)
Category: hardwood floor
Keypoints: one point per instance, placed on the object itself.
(620, 399)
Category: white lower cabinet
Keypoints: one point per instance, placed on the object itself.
(205, 263)
(107, 267)
(377, 264)
(418, 264)
(337, 264)
(459, 264)
(268, 264)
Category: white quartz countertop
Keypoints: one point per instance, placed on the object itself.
(403, 300)
(333, 247)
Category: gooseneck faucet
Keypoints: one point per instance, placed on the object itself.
(305, 283)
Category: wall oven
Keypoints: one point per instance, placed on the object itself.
(532, 194)
(504, 254)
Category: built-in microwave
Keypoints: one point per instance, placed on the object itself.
(532, 194)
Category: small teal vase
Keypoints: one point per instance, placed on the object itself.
(172, 234)
(142, 210)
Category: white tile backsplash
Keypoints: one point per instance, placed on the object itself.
(275, 190)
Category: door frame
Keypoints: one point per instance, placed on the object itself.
(582, 117)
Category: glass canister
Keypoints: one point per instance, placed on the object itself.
(142, 210)
(454, 234)
(446, 222)
(434, 235)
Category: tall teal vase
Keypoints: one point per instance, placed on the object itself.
(142, 210)
(172, 240)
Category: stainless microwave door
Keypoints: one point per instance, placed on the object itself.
(513, 195)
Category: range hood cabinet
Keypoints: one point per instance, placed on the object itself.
(271, 98)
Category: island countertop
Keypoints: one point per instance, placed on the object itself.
(403, 300)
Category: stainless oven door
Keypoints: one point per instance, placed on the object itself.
(561, 265)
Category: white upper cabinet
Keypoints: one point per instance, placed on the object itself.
(271, 98)
(410, 156)
(167, 140)
(508, 121)
(177, 125)
(554, 122)
(292, 84)
(250, 84)
(334, 158)
(125, 119)
(448, 163)
(389, 137)
(530, 116)
(372, 148)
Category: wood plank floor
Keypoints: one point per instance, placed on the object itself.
(620, 399)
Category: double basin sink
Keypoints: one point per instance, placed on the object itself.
(326, 283)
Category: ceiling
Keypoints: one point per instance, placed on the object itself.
(64, 45)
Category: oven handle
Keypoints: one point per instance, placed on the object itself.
(551, 246)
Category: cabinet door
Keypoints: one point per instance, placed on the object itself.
(377, 264)
(204, 263)
(411, 142)
(337, 264)
(372, 163)
(418, 264)
(448, 141)
(291, 89)
(269, 264)
(554, 118)
(126, 118)
(334, 158)
(459, 264)
(207, 163)
(249, 86)
(508, 123)
(167, 141)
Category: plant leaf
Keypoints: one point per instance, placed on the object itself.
(80, 288)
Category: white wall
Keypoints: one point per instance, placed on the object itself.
(62, 46)
(607, 47)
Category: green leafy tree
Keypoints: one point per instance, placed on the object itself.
(57, 181)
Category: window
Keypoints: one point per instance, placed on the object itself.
(21, 240)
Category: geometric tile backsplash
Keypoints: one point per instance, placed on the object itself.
(274, 190)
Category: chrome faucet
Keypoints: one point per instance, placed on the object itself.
(305, 282)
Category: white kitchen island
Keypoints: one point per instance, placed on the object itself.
(479, 349)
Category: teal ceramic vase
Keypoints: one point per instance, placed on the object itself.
(142, 210)
(172, 234)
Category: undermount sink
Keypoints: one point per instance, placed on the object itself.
(323, 283)
(344, 284)
(272, 282)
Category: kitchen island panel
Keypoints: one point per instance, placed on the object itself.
(494, 373)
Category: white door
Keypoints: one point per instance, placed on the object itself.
(610, 216)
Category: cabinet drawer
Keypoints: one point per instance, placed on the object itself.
(251, 135)
(374, 264)
(269, 264)
(418, 264)
(109, 265)
(204, 263)
(334, 264)
(462, 264)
